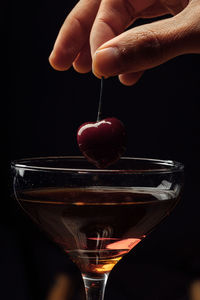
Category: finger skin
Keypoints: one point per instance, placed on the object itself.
(131, 78)
(83, 62)
(113, 17)
(149, 45)
(73, 34)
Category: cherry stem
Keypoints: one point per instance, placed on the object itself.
(100, 101)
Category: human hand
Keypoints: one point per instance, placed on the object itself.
(93, 36)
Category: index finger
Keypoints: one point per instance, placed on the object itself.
(113, 17)
(73, 34)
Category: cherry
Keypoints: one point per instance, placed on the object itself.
(102, 142)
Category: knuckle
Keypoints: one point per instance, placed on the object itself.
(150, 45)
(142, 49)
(78, 22)
(149, 39)
(105, 20)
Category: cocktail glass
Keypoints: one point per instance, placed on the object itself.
(97, 216)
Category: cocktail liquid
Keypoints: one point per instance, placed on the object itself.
(97, 226)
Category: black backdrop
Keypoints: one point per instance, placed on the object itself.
(41, 111)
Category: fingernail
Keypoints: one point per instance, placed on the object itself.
(105, 62)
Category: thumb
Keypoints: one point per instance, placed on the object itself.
(149, 45)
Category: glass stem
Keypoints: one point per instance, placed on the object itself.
(95, 287)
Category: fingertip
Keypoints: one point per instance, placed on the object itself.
(98, 75)
(83, 61)
(105, 62)
(81, 68)
(57, 62)
(131, 78)
(126, 83)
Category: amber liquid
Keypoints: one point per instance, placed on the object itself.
(97, 226)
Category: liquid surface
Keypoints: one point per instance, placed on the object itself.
(97, 226)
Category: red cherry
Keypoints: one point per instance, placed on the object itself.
(103, 142)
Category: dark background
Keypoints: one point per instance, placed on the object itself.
(41, 111)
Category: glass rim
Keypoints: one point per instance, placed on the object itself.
(168, 166)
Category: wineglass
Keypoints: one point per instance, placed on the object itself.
(95, 215)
